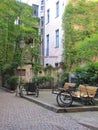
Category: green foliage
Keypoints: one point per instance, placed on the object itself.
(63, 77)
(12, 82)
(80, 25)
(7, 36)
(11, 33)
(43, 80)
(87, 74)
(8, 69)
(87, 49)
(36, 67)
(8, 72)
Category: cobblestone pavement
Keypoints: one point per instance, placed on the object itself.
(19, 114)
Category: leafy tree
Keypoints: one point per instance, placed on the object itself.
(7, 36)
(16, 23)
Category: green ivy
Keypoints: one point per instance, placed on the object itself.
(80, 25)
(36, 67)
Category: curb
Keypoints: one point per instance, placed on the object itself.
(60, 109)
(7, 90)
(55, 108)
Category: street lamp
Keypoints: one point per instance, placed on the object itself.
(18, 90)
(22, 45)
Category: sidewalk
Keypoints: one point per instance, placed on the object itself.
(48, 100)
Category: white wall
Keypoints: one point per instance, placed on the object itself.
(50, 28)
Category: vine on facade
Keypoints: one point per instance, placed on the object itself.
(80, 25)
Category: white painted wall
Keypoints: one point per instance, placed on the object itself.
(50, 28)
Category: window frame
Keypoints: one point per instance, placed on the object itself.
(57, 38)
(57, 8)
(47, 45)
(48, 15)
(35, 10)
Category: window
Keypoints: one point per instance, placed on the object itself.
(21, 72)
(42, 31)
(57, 9)
(57, 38)
(35, 10)
(42, 8)
(47, 64)
(42, 2)
(48, 15)
(47, 45)
(56, 65)
(42, 21)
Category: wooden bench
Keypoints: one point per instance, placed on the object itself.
(86, 93)
(68, 86)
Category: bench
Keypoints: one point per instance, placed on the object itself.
(69, 92)
(86, 93)
(68, 86)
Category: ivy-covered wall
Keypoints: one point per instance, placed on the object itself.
(80, 25)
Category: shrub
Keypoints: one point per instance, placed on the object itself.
(63, 77)
(43, 81)
(87, 74)
(12, 82)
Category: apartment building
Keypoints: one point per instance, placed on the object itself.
(50, 13)
(53, 46)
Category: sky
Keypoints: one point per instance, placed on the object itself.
(29, 2)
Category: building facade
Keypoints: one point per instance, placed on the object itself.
(50, 13)
(53, 46)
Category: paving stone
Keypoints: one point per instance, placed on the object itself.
(19, 114)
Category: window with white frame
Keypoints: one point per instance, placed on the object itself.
(57, 8)
(47, 45)
(35, 10)
(57, 38)
(48, 16)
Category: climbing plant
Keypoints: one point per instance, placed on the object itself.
(16, 23)
(80, 25)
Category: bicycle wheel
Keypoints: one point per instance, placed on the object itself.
(64, 99)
